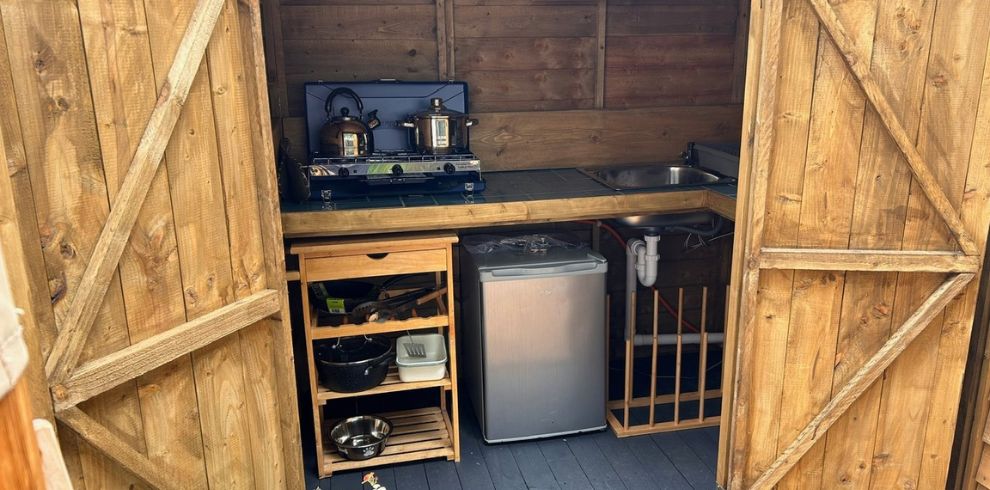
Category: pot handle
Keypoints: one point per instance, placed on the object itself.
(471, 122)
(377, 363)
(408, 124)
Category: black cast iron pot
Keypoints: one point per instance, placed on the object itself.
(353, 364)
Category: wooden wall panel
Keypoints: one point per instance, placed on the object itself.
(526, 62)
(78, 81)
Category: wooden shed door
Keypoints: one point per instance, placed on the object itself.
(862, 221)
(167, 287)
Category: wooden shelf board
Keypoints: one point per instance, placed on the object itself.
(416, 435)
(391, 384)
(369, 328)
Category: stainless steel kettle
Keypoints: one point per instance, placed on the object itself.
(439, 131)
(344, 135)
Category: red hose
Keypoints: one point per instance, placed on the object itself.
(622, 242)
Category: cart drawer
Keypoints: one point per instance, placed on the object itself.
(355, 266)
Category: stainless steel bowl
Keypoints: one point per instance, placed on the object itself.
(361, 437)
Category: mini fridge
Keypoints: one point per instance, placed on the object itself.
(534, 339)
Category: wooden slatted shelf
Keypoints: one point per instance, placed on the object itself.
(391, 384)
(420, 434)
(322, 332)
(416, 435)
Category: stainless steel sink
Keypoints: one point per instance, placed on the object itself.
(654, 176)
(653, 222)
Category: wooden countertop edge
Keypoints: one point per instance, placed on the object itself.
(395, 220)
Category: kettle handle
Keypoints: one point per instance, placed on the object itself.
(328, 106)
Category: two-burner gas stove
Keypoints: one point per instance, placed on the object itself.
(393, 173)
(396, 169)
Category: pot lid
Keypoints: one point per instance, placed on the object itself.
(437, 109)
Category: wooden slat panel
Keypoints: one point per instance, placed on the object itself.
(877, 222)
(124, 97)
(528, 53)
(534, 21)
(582, 138)
(253, 57)
(67, 186)
(927, 374)
(232, 116)
(905, 334)
(349, 22)
(196, 186)
(494, 91)
(639, 20)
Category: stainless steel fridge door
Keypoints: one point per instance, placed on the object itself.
(543, 352)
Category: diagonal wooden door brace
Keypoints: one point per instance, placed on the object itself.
(919, 168)
(863, 379)
(115, 448)
(97, 376)
(133, 191)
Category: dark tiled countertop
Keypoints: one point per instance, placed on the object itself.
(509, 197)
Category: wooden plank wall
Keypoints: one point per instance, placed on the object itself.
(555, 83)
(835, 179)
(78, 81)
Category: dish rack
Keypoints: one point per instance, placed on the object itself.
(424, 433)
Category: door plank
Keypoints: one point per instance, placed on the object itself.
(96, 279)
(862, 380)
(860, 67)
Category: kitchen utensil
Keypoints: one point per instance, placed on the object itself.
(414, 349)
(431, 366)
(353, 364)
(389, 309)
(362, 437)
(440, 131)
(344, 135)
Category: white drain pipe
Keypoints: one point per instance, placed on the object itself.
(671, 339)
(641, 263)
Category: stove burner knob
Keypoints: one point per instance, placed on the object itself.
(343, 172)
(449, 168)
(396, 170)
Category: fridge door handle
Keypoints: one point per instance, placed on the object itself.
(547, 270)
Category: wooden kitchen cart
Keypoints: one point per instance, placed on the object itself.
(419, 434)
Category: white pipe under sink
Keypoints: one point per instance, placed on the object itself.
(671, 339)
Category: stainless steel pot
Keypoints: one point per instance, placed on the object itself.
(362, 437)
(440, 131)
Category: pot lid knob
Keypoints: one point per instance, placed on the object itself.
(436, 103)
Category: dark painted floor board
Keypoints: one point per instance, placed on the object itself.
(657, 464)
(472, 470)
(343, 481)
(624, 461)
(598, 470)
(411, 476)
(702, 445)
(564, 465)
(441, 474)
(534, 468)
(697, 473)
(502, 467)
(597, 461)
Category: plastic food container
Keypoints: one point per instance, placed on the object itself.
(429, 368)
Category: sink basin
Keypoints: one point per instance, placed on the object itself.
(653, 176)
(653, 222)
